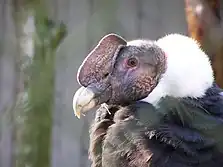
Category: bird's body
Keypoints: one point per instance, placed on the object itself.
(164, 108)
(166, 139)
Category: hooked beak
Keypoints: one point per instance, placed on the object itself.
(83, 101)
(87, 98)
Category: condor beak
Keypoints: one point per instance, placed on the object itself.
(84, 100)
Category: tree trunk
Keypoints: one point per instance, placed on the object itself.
(205, 25)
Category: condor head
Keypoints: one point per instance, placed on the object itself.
(119, 72)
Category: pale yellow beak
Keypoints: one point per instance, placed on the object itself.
(83, 101)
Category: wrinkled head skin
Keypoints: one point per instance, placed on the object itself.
(118, 72)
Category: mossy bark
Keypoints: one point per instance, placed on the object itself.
(35, 138)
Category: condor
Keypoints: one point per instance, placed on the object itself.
(163, 106)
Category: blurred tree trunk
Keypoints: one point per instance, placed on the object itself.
(205, 25)
(35, 138)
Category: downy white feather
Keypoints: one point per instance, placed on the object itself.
(189, 72)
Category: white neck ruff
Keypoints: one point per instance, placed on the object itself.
(189, 72)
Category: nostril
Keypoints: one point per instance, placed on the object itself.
(106, 75)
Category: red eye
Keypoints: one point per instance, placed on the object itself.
(132, 62)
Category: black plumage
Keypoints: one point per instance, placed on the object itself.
(167, 139)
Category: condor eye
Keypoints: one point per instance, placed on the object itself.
(132, 62)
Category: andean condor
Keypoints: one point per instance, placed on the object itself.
(163, 106)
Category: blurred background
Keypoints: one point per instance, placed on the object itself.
(42, 44)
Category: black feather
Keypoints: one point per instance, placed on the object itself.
(183, 132)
